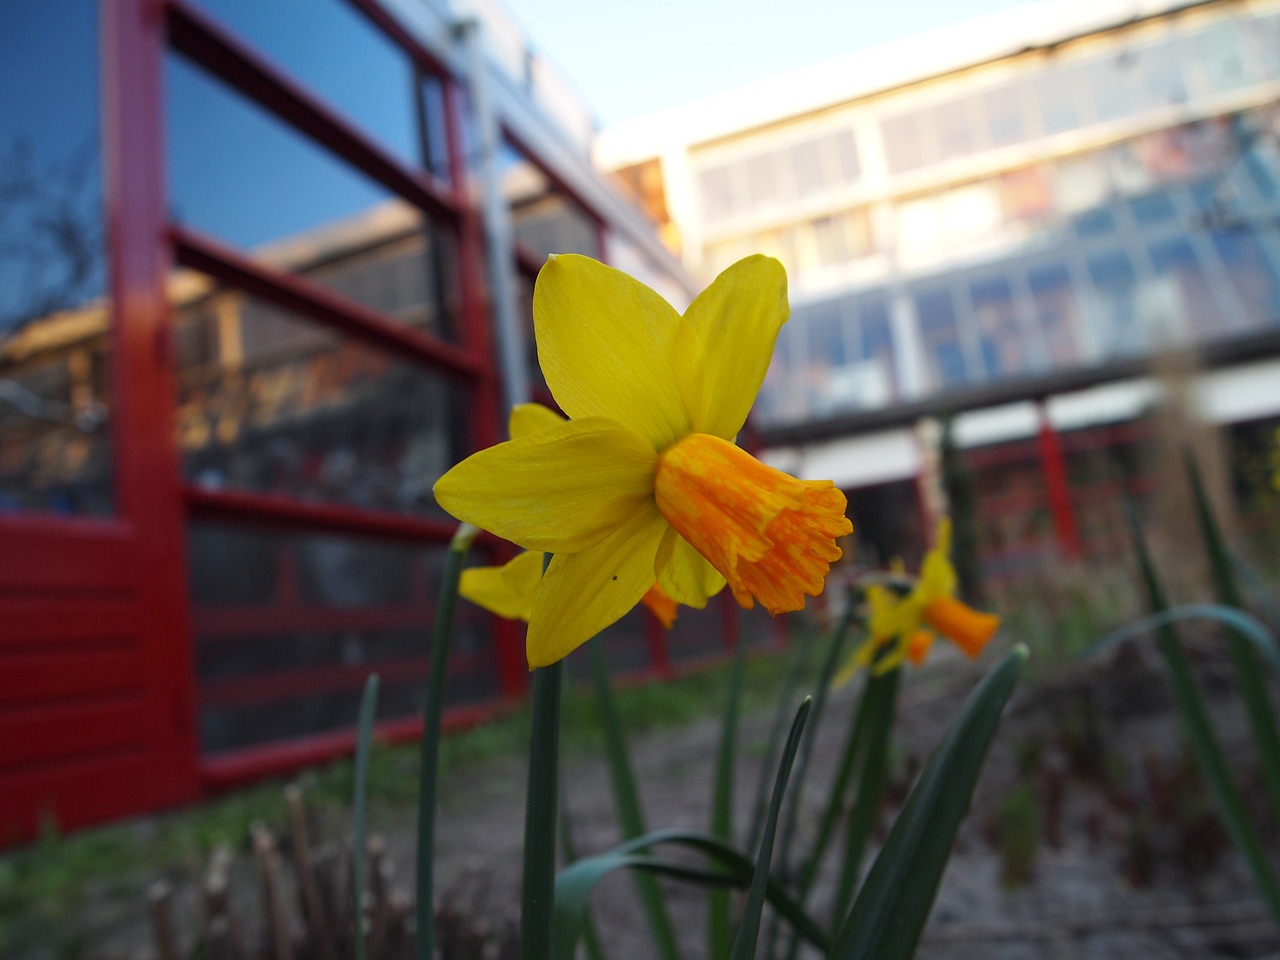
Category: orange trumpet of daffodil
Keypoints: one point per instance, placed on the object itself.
(510, 590)
(644, 482)
(911, 622)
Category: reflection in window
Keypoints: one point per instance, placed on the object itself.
(55, 451)
(995, 313)
(288, 626)
(1198, 312)
(936, 315)
(905, 142)
(240, 175)
(1007, 113)
(546, 221)
(340, 55)
(1252, 275)
(1057, 313)
(1115, 306)
(288, 407)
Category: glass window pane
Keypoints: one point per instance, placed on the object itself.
(1115, 304)
(846, 150)
(941, 338)
(55, 445)
(1222, 56)
(762, 179)
(1197, 311)
(544, 218)
(1163, 68)
(1007, 113)
(288, 407)
(238, 174)
(807, 169)
(1113, 85)
(1057, 93)
(715, 187)
(1252, 275)
(287, 627)
(1057, 312)
(995, 312)
(957, 134)
(904, 143)
(878, 374)
(337, 53)
(832, 238)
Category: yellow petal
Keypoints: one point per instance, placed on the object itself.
(508, 590)
(937, 575)
(725, 344)
(560, 490)
(685, 574)
(530, 418)
(582, 593)
(605, 344)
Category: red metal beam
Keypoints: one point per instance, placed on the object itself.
(269, 510)
(322, 305)
(1057, 486)
(200, 38)
(401, 37)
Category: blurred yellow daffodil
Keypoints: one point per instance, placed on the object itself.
(910, 622)
(644, 482)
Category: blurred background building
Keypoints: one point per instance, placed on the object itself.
(265, 273)
(1006, 219)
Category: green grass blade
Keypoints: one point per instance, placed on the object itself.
(718, 926)
(734, 869)
(537, 896)
(895, 900)
(1252, 687)
(744, 944)
(364, 741)
(875, 716)
(796, 664)
(1199, 731)
(795, 801)
(589, 935)
(1249, 627)
(429, 763)
(627, 800)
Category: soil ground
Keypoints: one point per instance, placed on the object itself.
(1087, 799)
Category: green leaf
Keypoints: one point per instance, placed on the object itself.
(895, 900)
(576, 882)
(627, 800)
(875, 716)
(1198, 727)
(364, 739)
(744, 944)
(1252, 687)
(429, 765)
(718, 926)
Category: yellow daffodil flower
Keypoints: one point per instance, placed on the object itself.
(644, 482)
(509, 590)
(910, 622)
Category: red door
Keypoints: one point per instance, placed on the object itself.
(96, 704)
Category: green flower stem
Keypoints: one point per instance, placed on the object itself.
(537, 898)
(1249, 672)
(429, 762)
(719, 942)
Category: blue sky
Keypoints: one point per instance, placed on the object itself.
(632, 59)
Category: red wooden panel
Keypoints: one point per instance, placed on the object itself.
(31, 736)
(41, 621)
(109, 779)
(53, 554)
(228, 623)
(29, 677)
